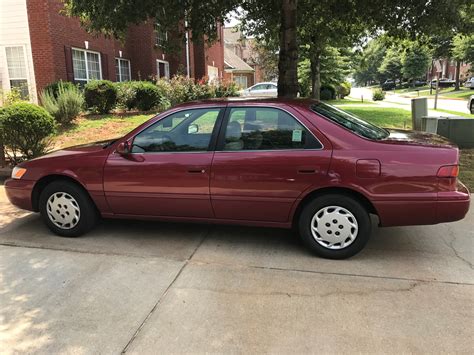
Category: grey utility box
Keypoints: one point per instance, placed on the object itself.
(459, 130)
(419, 109)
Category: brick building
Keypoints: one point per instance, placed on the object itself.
(445, 68)
(39, 45)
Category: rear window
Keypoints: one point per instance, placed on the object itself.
(350, 121)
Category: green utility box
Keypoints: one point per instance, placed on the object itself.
(459, 130)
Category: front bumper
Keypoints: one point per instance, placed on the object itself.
(19, 193)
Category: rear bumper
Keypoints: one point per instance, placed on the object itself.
(19, 193)
(448, 207)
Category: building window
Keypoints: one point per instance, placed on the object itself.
(163, 69)
(122, 69)
(86, 65)
(17, 72)
(241, 81)
(161, 35)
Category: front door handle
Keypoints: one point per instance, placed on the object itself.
(306, 171)
(196, 171)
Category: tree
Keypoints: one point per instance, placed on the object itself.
(265, 56)
(282, 19)
(415, 60)
(368, 62)
(391, 66)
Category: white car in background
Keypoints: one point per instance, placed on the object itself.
(267, 89)
(469, 83)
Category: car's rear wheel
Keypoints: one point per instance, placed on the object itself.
(472, 107)
(335, 226)
(66, 209)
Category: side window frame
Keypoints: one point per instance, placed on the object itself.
(212, 142)
(220, 145)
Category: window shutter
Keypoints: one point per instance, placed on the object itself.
(105, 66)
(69, 67)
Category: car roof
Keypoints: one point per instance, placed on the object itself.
(251, 101)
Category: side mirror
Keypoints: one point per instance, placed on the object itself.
(123, 148)
(193, 128)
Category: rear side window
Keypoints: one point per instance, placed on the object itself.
(264, 128)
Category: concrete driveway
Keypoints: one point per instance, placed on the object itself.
(139, 287)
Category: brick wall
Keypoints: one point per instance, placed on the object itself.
(53, 35)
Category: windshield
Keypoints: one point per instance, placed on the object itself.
(349, 121)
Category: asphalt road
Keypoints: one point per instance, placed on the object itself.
(398, 101)
(139, 287)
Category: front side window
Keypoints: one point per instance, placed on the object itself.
(86, 65)
(122, 69)
(264, 128)
(349, 121)
(17, 73)
(183, 131)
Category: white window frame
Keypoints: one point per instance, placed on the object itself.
(159, 40)
(25, 62)
(238, 80)
(87, 67)
(167, 68)
(129, 68)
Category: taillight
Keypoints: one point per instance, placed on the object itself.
(448, 171)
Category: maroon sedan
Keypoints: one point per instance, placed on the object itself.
(266, 162)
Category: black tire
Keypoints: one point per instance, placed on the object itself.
(472, 108)
(88, 213)
(348, 203)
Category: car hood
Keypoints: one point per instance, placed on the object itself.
(418, 138)
(78, 150)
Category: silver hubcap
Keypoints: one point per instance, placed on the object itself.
(334, 227)
(63, 210)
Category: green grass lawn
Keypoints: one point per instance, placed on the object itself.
(95, 128)
(347, 101)
(382, 116)
(457, 113)
(445, 93)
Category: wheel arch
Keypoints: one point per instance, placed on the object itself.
(46, 180)
(369, 206)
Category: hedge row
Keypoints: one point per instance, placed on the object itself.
(101, 96)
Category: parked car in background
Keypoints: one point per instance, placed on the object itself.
(443, 83)
(470, 104)
(469, 83)
(388, 85)
(268, 162)
(267, 89)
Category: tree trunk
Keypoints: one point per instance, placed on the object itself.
(288, 56)
(458, 73)
(2, 156)
(315, 60)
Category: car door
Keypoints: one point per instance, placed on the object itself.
(167, 171)
(265, 159)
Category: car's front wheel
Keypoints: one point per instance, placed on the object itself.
(472, 107)
(335, 226)
(66, 209)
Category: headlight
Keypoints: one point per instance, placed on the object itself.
(18, 172)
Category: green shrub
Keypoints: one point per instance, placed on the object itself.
(65, 105)
(25, 129)
(53, 88)
(126, 95)
(226, 89)
(378, 95)
(343, 89)
(328, 92)
(100, 95)
(147, 95)
(12, 96)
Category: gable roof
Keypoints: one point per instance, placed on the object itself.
(234, 63)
